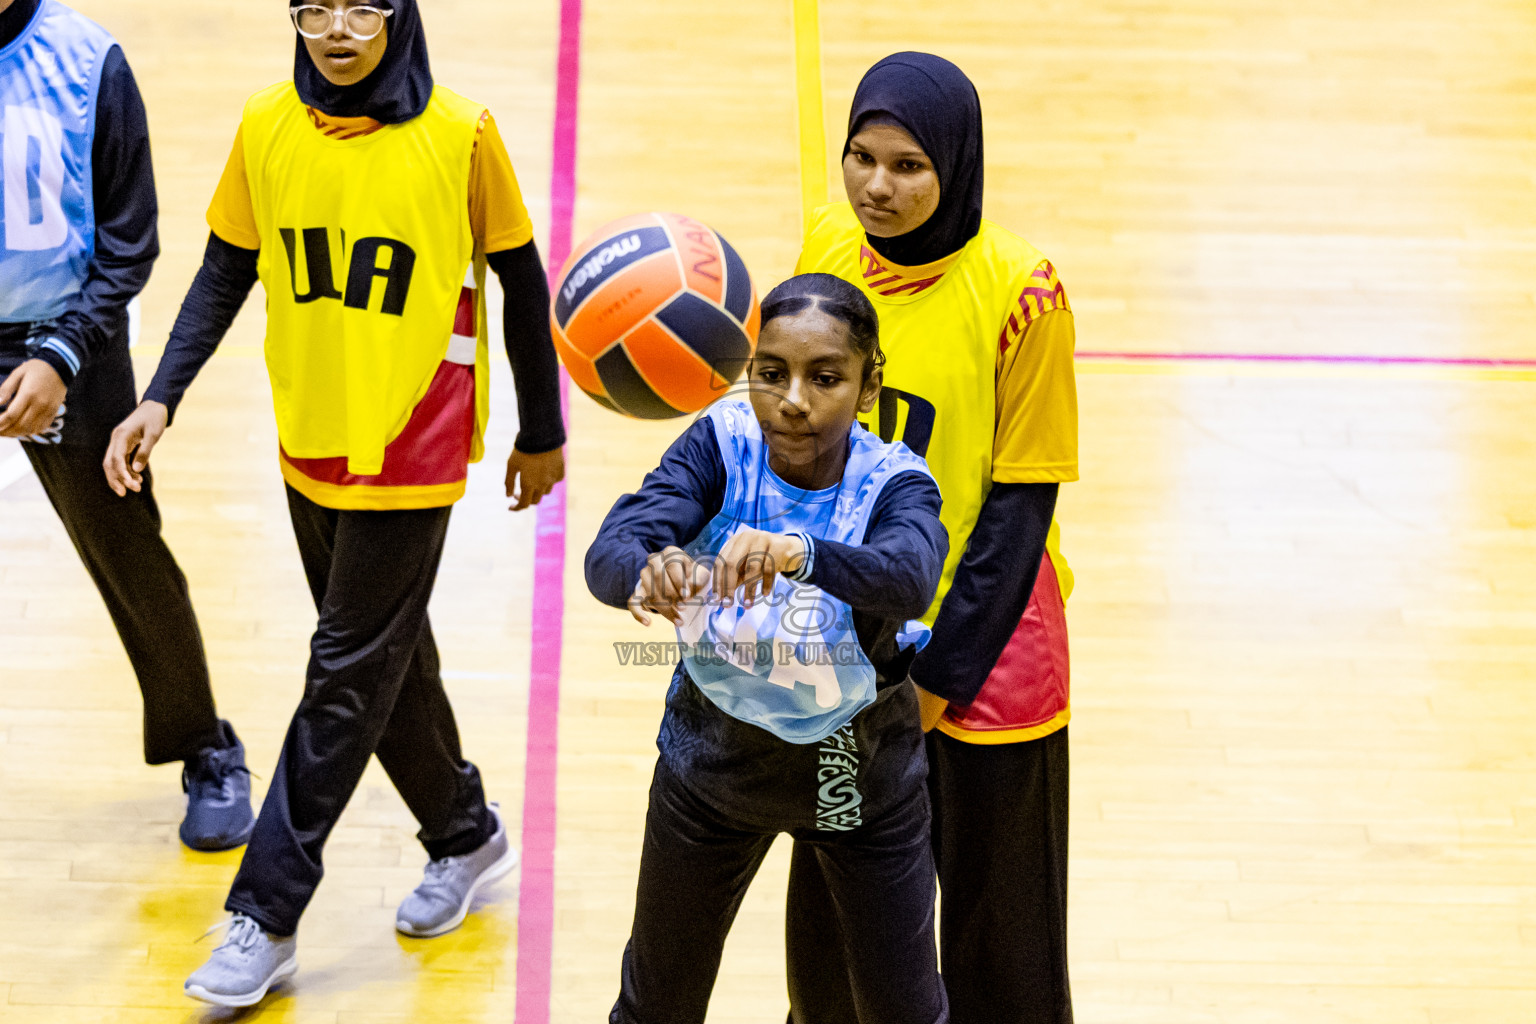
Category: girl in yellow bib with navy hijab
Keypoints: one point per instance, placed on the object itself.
(979, 380)
(368, 201)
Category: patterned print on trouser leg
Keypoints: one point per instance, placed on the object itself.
(838, 800)
(879, 887)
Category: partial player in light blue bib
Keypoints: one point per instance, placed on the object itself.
(50, 77)
(791, 663)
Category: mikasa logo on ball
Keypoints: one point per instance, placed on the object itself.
(594, 266)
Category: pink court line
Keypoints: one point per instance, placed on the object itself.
(536, 899)
(1286, 357)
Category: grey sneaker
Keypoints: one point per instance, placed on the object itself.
(247, 963)
(441, 902)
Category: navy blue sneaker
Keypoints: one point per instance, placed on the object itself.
(218, 788)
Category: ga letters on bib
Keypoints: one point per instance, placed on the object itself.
(979, 380)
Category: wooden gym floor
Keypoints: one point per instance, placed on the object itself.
(1304, 632)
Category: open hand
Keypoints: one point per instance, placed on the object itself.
(753, 559)
(670, 578)
(537, 475)
(132, 441)
(30, 397)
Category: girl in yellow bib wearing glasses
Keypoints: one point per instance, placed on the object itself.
(368, 201)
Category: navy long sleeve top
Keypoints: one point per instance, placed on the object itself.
(225, 279)
(744, 772)
(887, 580)
(990, 592)
(90, 340)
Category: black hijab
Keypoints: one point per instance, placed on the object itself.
(396, 91)
(938, 106)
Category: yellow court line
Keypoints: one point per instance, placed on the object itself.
(808, 89)
(1300, 370)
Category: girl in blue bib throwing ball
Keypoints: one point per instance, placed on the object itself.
(793, 550)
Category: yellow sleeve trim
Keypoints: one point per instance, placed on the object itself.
(371, 499)
(497, 213)
(1035, 436)
(1037, 473)
(997, 737)
(231, 215)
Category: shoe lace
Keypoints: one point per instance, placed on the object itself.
(437, 878)
(214, 768)
(242, 935)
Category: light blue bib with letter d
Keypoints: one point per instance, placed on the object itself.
(792, 663)
(50, 76)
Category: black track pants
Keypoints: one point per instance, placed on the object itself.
(119, 542)
(1000, 843)
(373, 687)
(695, 869)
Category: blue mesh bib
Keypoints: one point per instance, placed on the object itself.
(791, 664)
(49, 79)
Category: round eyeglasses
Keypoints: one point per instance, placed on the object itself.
(315, 21)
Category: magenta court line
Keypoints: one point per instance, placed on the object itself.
(536, 896)
(1299, 357)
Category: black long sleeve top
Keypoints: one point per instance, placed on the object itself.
(990, 592)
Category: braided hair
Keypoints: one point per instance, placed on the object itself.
(839, 300)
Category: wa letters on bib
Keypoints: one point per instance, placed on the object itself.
(365, 247)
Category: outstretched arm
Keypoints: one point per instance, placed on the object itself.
(675, 502)
(896, 570)
(222, 284)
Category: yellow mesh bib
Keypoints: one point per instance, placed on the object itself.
(939, 330)
(365, 247)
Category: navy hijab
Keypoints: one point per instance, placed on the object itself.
(398, 89)
(938, 106)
